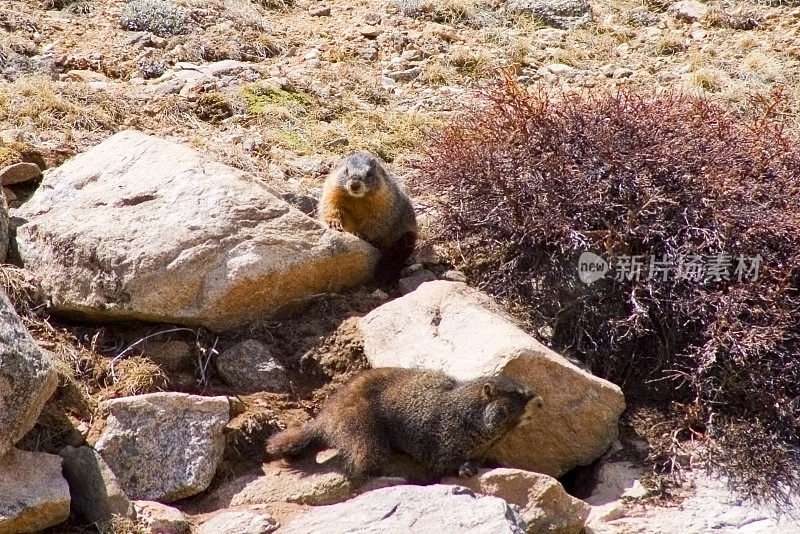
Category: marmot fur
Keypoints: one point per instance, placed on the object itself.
(440, 422)
(359, 196)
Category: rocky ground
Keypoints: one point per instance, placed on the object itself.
(154, 264)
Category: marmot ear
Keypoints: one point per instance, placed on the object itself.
(488, 390)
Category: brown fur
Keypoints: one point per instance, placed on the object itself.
(383, 215)
(441, 423)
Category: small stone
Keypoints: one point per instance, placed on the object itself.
(410, 283)
(321, 11)
(96, 492)
(689, 10)
(622, 73)
(33, 493)
(158, 42)
(238, 522)
(387, 83)
(86, 76)
(160, 518)
(379, 294)
(173, 356)
(405, 75)
(411, 55)
(370, 32)
(455, 276)
(9, 194)
(560, 68)
(19, 173)
(550, 35)
(542, 501)
(370, 53)
(249, 366)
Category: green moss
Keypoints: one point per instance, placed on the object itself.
(261, 99)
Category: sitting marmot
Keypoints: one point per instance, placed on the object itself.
(360, 197)
(440, 422)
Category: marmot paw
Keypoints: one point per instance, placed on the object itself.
(336, 225)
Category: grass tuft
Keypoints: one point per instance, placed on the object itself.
(160, 17)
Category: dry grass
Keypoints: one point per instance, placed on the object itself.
(443, 11)
(123, 525)
(670, 45)
(39, 104)
(298, 121)
(437, 73)
(708, 79)
(22, 289)
(474, 64)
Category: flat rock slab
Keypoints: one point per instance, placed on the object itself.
(163, 446)
(146, 229)
(33, 494)
(412, 510)
(27, 377)
(450, 327)
(276, 482)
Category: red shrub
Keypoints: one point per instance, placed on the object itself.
(530, 179)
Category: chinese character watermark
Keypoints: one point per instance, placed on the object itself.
(709, 268)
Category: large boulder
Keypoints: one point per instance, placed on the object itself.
(163, 446)
(437, 508)
(450, 327)
(146, 229)
(33, 494)
(544, 504)
(27, 378)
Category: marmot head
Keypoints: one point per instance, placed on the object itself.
(508, 403)
(361, 173)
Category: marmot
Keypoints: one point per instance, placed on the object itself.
(359, 196)
(440, 422)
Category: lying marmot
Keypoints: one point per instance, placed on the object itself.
(360, 197)
(441, 423)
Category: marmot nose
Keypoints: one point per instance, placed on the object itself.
(355, 186)
(537, 401)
